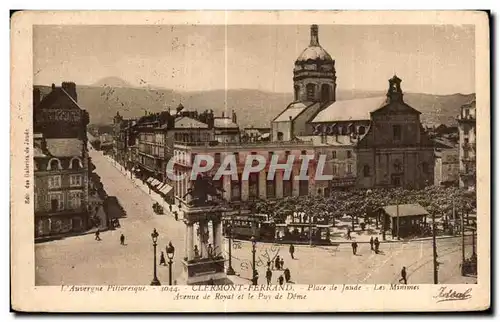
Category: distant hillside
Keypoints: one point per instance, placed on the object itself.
(253, 107)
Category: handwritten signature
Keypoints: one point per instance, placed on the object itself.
(449, 294)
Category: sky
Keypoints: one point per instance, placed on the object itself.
(437, 59)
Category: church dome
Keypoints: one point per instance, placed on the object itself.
(314, 51)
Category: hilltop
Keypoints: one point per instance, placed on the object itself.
(253, 107)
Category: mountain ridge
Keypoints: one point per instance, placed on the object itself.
(253, 107)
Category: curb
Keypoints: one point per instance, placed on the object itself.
(45, 239)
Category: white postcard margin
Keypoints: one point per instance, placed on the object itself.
(26, 297)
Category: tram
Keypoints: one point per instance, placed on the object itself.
(244, 226)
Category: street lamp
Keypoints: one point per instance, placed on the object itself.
(230, 270)
(170, 254)
(154, 237)
(254, 243)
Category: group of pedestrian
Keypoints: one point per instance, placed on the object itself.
(278, 263)
(374, 245)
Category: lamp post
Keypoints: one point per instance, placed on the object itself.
(154, 237)
(170, 254)
(254, 243)
(230, 270)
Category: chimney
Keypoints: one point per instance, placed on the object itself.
(395, 94)
(70, 88)
(314, 36)
(53, 86)
(36, 97)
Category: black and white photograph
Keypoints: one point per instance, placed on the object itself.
(229, 157)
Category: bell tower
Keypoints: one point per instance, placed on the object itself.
(314, 76)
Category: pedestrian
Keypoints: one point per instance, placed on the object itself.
(269, 276)
(403, 276)
(354, 247)
(282, 263)
(176, 215)
(277, 262)
(269, 264)
(280, 280)
(348, 233)
(371, 243)
(162, 259)
(97, 235)
(170, 207)
(377, 244)
(122, 239)
(210, 250)
(292, 250)
(287, 275)
(196, 251)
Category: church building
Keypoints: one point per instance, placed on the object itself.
(369, 142)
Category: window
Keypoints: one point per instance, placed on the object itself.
(270, 155)
(366, 171)
(288, 186)
(303, 152)
(237, 157)
(270, 187)
(296, 90)
(334, 154)
(349, 168)
(193, 156)
(287, 153)
(75, 180)
(361, 130)
(398, 167)
(349, 154)
(280, 136)
(54, 164)
(54, 182)
(325, 92)
(56, 201)
(425, 167)
(75, 199)
(311, 89)
(335, 169)
(217, 158)
(236, 190)
(396, 132)
(253, 186)
(304, 187)
(75, 163)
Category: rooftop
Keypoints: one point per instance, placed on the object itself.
(292, 111)
(224, 122)
(350, 110)
(185, 122)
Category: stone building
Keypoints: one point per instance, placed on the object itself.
(381, 138)
(61, 162)
(467, 145)
(446, 169)
(257, 186)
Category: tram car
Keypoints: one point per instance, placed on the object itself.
(244, 226)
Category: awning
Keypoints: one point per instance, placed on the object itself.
(155, 182)
(160, 186)
(166, 189)
(150, 179)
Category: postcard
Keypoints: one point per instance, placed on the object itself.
(244, 161)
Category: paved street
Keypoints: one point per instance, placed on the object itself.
(337, 264)
(82, 260)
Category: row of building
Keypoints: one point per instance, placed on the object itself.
(368, 143)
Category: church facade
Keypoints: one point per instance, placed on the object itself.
(369, 142)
